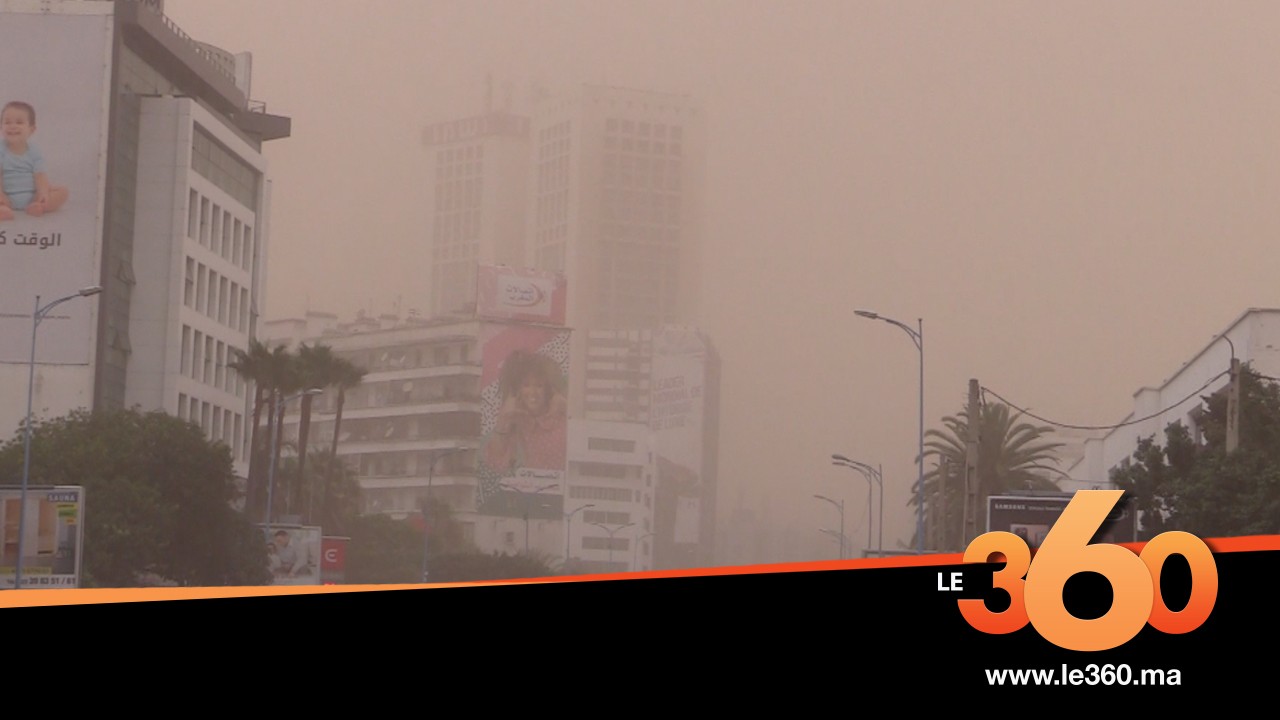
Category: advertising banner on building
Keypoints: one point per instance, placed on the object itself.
(523, 419)
(53, 153)
(676, 410)
(293, 554)
(508, 293)
(1031, 516)
(51, 539)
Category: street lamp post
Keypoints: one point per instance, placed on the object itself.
(278, 406)
(839, 506)
(39, 314)
(426, 503)
(612, 532)
(524, 494)
(839, 536)
(635, 550)
(568, 523)
(917, 337)
(871, 474)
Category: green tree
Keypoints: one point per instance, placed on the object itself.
(1192, 484)
(383, 550)
(158, 498)
(1012, 456)
(339, 495)
(474, 566)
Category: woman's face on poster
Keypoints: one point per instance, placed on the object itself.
(534, 394)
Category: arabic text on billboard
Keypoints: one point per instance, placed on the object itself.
(507, 293)
(53, 155)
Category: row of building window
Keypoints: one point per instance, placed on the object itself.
(207, 360)
(595, 542)
(553, 174)
(553, 209)
(418, 355)
(559, 130)
(589, 492)
(459, 195)
(496, 123)
(214, 162)
(605, 517)
(640, 173)
(454, 233)
(552, 239)
(410, 428)
(650, 208)
(643, 147)
(643, 129)
(637, 233)
(218, 423)
(400, 464)
(611, 444)
(217, 229)
(216, 296)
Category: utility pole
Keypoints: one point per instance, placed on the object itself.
(971, 489)
(1233, 407)
(944, 533)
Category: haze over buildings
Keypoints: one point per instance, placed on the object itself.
(1075, 198)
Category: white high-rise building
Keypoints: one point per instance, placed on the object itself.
(160, 145)
(613, 201)
(476, 203)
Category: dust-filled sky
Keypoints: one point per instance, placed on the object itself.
(1075, 197)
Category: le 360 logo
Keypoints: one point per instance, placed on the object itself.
(1036, 588)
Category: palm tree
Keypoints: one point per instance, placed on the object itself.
(254, 367)
(279, 377)
(345, 375)
(316, 366)
(1010, 454)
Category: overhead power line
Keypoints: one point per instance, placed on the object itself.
(1158, 413)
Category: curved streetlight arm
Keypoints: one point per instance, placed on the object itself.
(43, 311)
(612, 531)
(868, 471)
(837, 505)
(839, 537)
(872, 475)
(916, 336)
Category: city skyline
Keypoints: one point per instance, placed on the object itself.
(1045, 187)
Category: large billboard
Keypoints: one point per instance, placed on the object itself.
(676, 417)
(51, 539)
(293, 554)
(1030, 517)
(523, 294)
(53, 153)
(523, 419)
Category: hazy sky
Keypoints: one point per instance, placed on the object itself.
(1075, 197)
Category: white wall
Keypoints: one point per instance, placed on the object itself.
(1256, 337)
